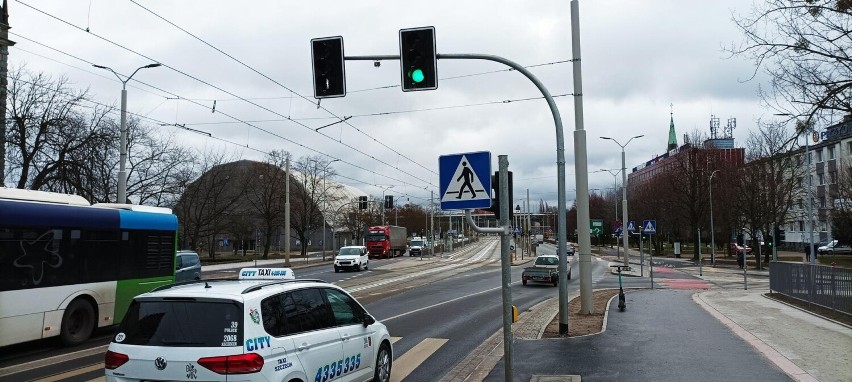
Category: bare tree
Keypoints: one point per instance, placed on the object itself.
(804, 46)
(308, 196)
(769, 183)
(208, 200)
(49, 130)
(266, 195)
(841, 215)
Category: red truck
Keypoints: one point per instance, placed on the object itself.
(386, 241)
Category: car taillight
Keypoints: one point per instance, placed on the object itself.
(113, 360)
(233, 364)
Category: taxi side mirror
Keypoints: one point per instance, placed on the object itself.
(368, 320)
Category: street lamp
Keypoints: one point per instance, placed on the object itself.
(384, 189)
(624, 192)
(712, 231)
(325, 204)
(614, 189)
(122, 173)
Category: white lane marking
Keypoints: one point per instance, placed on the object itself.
(444, 302)
(394, 339)
(405, 364)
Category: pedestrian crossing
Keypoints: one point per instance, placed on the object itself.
(403, 365)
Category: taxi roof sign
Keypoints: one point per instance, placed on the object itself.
(267, 274)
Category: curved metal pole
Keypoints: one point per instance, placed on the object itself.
(560, 163)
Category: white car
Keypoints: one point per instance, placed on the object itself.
(266, 326)
(352, 257)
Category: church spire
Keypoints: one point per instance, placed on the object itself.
(672, 135)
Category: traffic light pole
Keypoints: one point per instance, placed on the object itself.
(581, 169)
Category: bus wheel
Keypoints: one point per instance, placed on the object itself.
(78, 322)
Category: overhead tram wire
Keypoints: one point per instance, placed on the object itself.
(343, 120)
(236, 119)
(235, 95)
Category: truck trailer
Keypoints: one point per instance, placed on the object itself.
(386, 241)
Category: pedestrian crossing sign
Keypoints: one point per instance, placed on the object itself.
(631, 226)
(649, 227)
(465, 180)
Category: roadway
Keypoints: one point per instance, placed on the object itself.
(438, 310)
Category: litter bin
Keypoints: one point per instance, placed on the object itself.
(677, 249)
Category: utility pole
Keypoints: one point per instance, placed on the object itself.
(5, 43)
(287, 212)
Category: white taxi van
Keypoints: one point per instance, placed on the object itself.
(265, 326)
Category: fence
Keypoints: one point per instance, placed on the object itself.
(830, 287)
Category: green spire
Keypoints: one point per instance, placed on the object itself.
(672, 135)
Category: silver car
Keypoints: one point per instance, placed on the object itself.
(187, 266)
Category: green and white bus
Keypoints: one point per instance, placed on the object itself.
(68, 267)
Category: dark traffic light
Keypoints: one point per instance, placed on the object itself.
(495, 202)
(388, 201)
(417, 58)
(362, 202)
(328, 67)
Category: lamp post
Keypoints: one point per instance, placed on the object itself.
(614, 190)
(624, 192)
(121, 195)
(712, 231)
(325, 204)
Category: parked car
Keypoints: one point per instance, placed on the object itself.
(187, 266)
(352, 257)
(834, 248)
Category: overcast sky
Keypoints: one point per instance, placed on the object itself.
(638, 59)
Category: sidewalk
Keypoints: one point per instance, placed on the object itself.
(665, 335)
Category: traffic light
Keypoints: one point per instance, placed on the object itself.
(417, 59)
(329, 70)
(495, 202)
(388, 201)
(782, 235)
(770, 241)
(362, 202)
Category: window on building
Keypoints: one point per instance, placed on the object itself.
(822, 202)
(819, 155)
(801, 204)
(801, 226)
(798, 160)
(821, 178)
(849, 148)
(832, 177)
(830, 152)
(822, 226)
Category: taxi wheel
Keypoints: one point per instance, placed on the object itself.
(524, 282)
(383, 364)
(366, 266)
(358, 268)
(78, 322)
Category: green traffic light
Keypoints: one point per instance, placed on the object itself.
(417, 76)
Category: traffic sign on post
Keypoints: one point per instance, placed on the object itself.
(465, 180)
(596, 226)
(631, 226)
(649, 227)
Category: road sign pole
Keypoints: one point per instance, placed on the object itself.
(503, 163)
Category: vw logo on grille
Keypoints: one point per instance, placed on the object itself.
(160, 363)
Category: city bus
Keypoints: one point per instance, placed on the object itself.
(68, 267)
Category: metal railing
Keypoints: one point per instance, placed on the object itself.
(823, 285)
